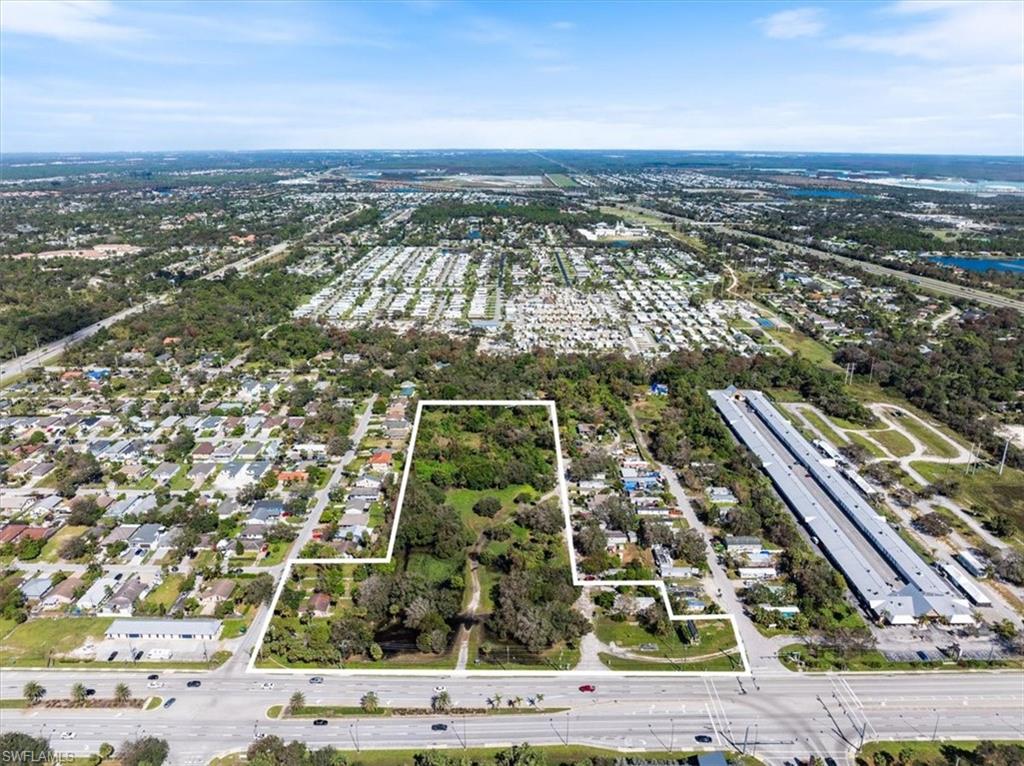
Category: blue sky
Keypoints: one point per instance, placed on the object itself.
(929, 77)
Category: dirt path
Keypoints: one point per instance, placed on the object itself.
(469, 613)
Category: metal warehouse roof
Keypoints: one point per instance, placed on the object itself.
(925, 592)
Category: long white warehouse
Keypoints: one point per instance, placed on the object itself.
(923, 592)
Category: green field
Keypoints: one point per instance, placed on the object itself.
(562, 181)
(934, 443)
(818, 422)
(808, 348)
(32, 642)
(896, 443)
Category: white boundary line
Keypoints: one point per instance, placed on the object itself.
(563, 493)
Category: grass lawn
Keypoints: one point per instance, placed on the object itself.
(6, 626)
(180, 481)
(31, 643)
(52, 547)
(897, 444)
(275, 554)
(714, 638)
(873, 449)
(166, 592)
(935, 443)
(464, 499)
(13, 704)
(153, 703)
(826, 428)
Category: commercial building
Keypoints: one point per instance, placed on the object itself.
(885, 573)
(206, 629)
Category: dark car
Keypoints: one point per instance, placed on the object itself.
(90, 692)
(138, 655)
(320, 722)
(194, 684)
(439, 727)
(704, 739)
(316, 680)
(588, 688)
(169, 702)
(152, 676)
(111, 656)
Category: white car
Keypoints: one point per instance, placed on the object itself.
(267, 685)
(440, 689)
(155, 685)
(68, 735)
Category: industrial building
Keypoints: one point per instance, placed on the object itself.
(885, 573)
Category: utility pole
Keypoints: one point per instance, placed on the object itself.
(1002, 462)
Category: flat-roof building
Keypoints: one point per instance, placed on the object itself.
(829, 505)
(207, 629)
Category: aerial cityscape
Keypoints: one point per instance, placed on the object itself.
(651, 445)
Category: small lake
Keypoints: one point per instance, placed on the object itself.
(981, 264)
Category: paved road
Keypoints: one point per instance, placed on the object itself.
(776, 715)
(926, 283)
(323, 495)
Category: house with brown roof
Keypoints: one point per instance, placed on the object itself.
(319, 605)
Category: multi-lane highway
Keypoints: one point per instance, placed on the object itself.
(775, 716)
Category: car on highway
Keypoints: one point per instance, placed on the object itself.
(68, 735)
(704, 739)
(155, 685)
(440, 689)
(170, 701)
(267, 685)
(194, 684)
(439, 727)
(588, 688)
(90, 692)
(138, 655)
(316, 680)
(320, 722)
(111, 656)
(152, 676)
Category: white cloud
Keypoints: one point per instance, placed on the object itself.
(798, 22)
(69, 20)
(970, 32)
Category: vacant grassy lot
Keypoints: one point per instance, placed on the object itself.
(32, 642)
(166, 592)
(896, 443)
(935, 444)
(714, 639)
(52, 547)
(808, 348)
(822, 425)
(983, 492)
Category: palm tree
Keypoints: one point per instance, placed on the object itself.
(370, 703)
(538, 697)
(79, 694)
(297, 702)
(33, 692)
(496, 701)
(442, 702)
(122, 693)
